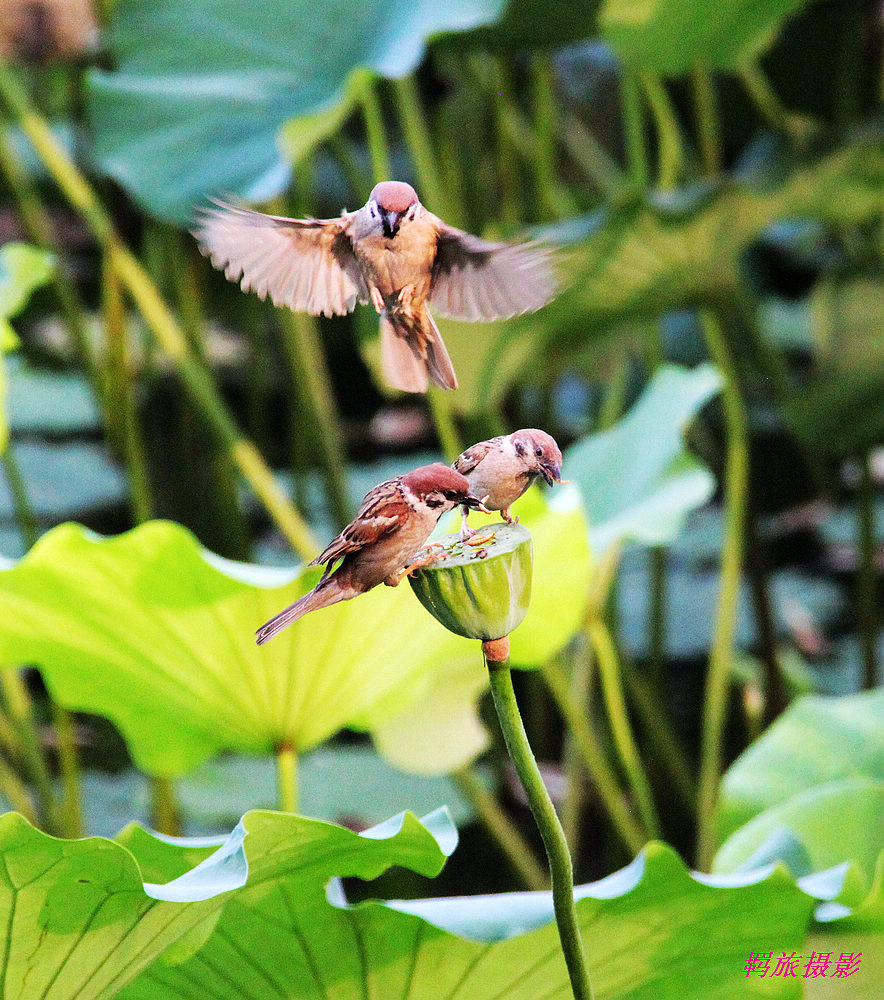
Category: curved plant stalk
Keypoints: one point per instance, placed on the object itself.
(765, 99)
(615, 703)
(13, 789)
(661, 735)
(121, 379)
(866, 597)
(669, 152)
(634, 127)
(157, 316)
(420, 146)
(378, 147)
(561, 873)
(600, 773)
(581, 678)
(736, 485)
(70, 809)
(501, 829)
(287, 778)
(706, 114)
(38, 228)
(20, 710)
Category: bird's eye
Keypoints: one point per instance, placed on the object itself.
(538, 452)
(411, 212)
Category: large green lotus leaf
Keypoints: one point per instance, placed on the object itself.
(22, 269)
(637, 480)
(815, 829)
(671, 36)
(200, 91)
(649, 256)
(151, 631)
(85, 917)
(815, 741)
(651, 931)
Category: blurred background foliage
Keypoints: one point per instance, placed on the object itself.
(714, 174)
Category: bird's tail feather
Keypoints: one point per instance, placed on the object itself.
(413, 353)
(323, 595)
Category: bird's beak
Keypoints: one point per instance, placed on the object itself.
(475, 503)
(390, 222)
(551, 472)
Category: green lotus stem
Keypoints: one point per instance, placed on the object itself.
(600, 773)
(157, 316)
(35, 221)
(866, 597)
(546, 129)
(165, 814)
(593, 159)
(417, 134)
(308, 370)
(657, 616)
(378, 147)
(706, 113)
(13, 789)
(70, 809)
(581, 675)
(287, 778)
(668, 134)
(615, 703)
(441, 411)
(502, 830)
(24, 513)
(665, 745)
(634, 127)
(763, 96)
(20, 709)
(560, 868)
(121, 376)
(736, 485)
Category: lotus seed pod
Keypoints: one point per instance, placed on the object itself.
(481, 588)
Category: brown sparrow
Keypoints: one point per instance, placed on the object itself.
(500, 470)
(392, 523)
(393, 253)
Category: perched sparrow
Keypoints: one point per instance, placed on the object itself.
(392, 253)
(500, 470)
(392, 523)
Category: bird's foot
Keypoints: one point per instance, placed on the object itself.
(505, 514)
(377, 300)
(406, 293)
(430, 557)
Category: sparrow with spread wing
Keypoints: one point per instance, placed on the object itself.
(392, 253)
(501, 469)
(392, 523)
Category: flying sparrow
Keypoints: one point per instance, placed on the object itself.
(392, 523)
(500, 470)
(392, 253)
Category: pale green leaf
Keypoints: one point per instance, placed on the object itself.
(187, 113)
(671, 36)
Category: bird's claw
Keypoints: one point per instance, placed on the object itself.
(431, 557)
(505, 514)
(377, 300)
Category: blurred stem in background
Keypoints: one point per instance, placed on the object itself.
(736, 485)
(287, 778)
(867, 605)
(157, 315)
(501, 829)
(669, 144)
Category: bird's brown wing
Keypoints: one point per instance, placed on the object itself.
(473, 279)
(305, 264)
(381, 512)
(468, 460)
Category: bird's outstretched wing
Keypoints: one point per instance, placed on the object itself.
(468, 460)
(381, 513)
(305, 264)
(477, 280)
